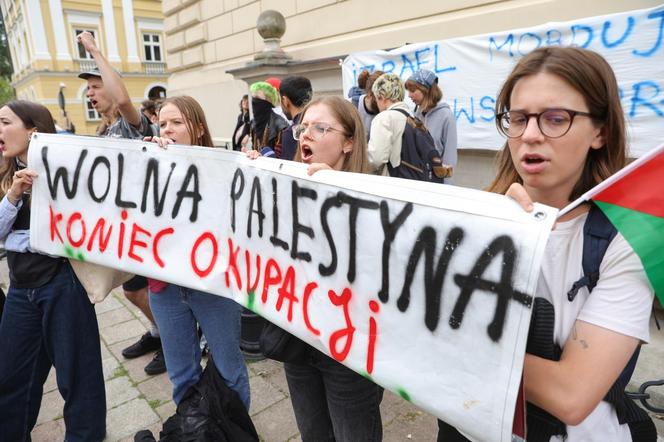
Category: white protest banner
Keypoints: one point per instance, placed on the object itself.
(424, 288)
(471, 70)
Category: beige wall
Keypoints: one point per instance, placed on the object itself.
(205, 38)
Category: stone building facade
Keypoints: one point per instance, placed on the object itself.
(210, 43)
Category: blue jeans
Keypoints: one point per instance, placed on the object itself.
(53, 324)
(177, 310)
(333, 403)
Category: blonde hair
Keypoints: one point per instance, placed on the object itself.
(389, 87)
(194, 118)
(349, 119)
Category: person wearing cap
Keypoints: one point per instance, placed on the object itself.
(276, 83)
(437, 116)
(266, 126)
(110, 98)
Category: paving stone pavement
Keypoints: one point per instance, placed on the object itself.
(136, 401)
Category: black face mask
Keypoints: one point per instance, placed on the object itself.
(262, 112)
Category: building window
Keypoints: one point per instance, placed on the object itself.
(152, 47)
(90, 113)
(82, 53)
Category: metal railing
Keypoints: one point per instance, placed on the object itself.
(86, 65)
(154, 67)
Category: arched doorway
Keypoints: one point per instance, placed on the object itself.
(157, 93)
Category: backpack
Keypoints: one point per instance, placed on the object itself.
(209, 412)
(2, 302)
(419, 158)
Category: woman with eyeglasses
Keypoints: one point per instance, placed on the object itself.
(560, 111)
(332, 402)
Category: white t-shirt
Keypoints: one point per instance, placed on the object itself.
(621, 301)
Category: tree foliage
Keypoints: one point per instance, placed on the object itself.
(6, 91)
(6, 69)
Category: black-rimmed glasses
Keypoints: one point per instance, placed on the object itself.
(553, 123)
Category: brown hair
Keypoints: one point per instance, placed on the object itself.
(194, 117)
(362, 79)
(370, 80)
(150, 106)
(591, 75)
(431, 95)
(367, 90)
(33, 116)
(349, 118)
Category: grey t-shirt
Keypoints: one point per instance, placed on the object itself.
(120, 128)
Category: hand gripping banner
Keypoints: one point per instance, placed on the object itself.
(426, 289)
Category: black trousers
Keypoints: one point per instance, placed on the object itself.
(2, 302)
(447, 433)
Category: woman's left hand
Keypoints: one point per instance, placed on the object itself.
(252, 154)
(161, 141)
(21, 183)
(315, 167)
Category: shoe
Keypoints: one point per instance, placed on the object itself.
(145, 345)
(144, 436)
(157, 365)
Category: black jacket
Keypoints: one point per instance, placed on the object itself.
(241, 130)
(208, 412)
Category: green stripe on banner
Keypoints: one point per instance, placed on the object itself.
(645, 233)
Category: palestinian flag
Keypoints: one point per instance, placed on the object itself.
(633, 200)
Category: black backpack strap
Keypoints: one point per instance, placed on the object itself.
(403, 111)
(598, 232)
(540, 424)
(427, 156)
